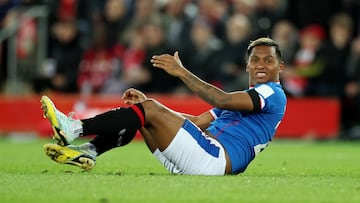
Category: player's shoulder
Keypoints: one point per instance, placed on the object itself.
(269, 88)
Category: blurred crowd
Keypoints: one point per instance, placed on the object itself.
(105, 46)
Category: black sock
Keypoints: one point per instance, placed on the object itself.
(104, 143)
(114, 128)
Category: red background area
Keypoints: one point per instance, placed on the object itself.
(306, 117)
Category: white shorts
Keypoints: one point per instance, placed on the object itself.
(192, 152)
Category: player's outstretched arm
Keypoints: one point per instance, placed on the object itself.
(214, 96)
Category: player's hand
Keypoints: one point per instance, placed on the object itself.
(171, 64)
(133, 96)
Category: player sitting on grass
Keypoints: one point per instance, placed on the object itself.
(223, 140)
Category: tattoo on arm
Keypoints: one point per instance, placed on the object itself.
(206, 91)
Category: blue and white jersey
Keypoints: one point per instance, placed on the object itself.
(244, 134)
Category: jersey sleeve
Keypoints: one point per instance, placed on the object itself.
(259, 95)
(272, 99)
(215, 112)
(265, 90)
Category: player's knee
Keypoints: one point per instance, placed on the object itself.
(152, 108)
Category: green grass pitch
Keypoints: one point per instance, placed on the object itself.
(287, 171)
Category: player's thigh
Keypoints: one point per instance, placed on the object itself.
(162, 123)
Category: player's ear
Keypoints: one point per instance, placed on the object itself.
(281, 66)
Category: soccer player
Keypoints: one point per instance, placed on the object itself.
(223, 140)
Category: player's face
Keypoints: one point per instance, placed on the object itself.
(263, 65)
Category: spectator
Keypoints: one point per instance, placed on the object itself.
(229, 62)
(351, 100)
(244, 7)
(115, 20)
(177, 22)
(215, 12)
(200, 52)
(265, 14)
(100, 67)
(65, 59)
(330, 83)
(82, 12)
(134, 73)
(143, 11)
(308, 61)
(286, 34)
(156, 43)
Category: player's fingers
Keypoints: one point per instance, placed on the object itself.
(125, 94)
(162, 58)
(158, 64)
(157, 60)
(128, 102)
